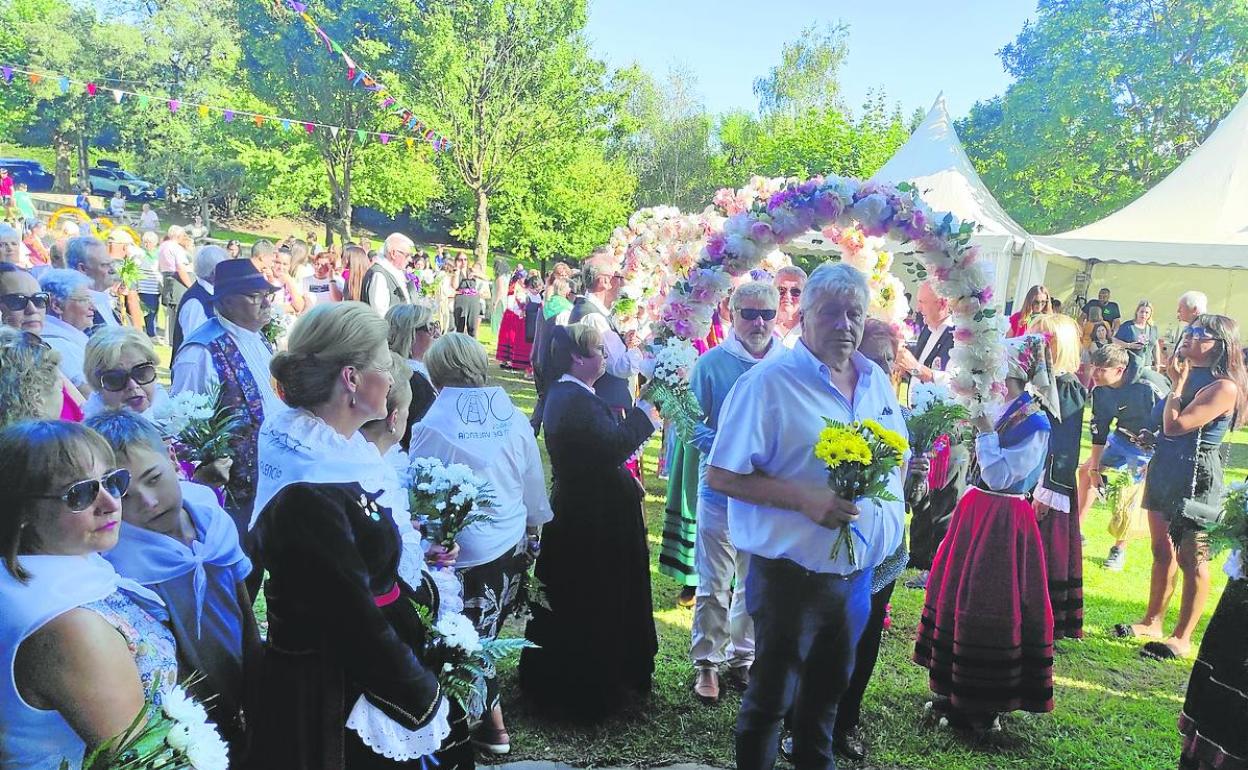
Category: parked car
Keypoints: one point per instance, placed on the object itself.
(106, 181)
(30, 172)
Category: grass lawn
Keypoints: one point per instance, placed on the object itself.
(1114, 709)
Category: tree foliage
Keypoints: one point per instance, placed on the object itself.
(1108, 97)
(808, 75)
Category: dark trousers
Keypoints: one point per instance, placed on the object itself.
(850, 708)
(806, 629)
(151, 304)
(467, 311)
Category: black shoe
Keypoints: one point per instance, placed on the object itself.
(850, 744)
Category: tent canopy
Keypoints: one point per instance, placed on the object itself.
(1195, 217)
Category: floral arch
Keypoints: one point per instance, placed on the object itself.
(678, 267)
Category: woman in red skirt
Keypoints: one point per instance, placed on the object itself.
(511, 328)
(986, 631)
(1056, 501)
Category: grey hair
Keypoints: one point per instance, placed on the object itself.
(832, 278)
(456, 360)
(206, 261)
(791, 271)
(79, 249)
(593, 267)
(175, 231)
(1196, 300)
(754, 290)
(63, 284)
(395, 239)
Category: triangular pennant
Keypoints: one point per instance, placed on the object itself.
(143, 100)
(385, 139)
(8, 74)
(91, 89)
(35, 78)
(285, 125)
(203, 111)
(258, 120)
(174, 104)
(359, 134)
(117, 95)
(309, 127)
(64, 84)
(411, 143)
(333, 131)
(229, 116)
(389, 100)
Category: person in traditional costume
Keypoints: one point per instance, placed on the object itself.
(723, 634)
(1056, 500)
(935, 496)
(1216, 707)
(386, 283)
(230, 355)
(1183, 492)
(596, 637)
(413, 328)
(511, 321)
(176, 540)
(476, 424)
(81, 648)
(809, 608)
(986, 630)
(344, 685)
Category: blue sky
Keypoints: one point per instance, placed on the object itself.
(912, 49)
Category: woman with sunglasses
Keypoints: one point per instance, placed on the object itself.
(24, 307)
(1035, 303)
(81, 648)
(120, 365)
(345, 639)
(1183, 490)
(789, 282)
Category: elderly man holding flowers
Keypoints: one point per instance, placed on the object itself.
(809, 606)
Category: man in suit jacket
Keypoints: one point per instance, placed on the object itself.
(927, 358)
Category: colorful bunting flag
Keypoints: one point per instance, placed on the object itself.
(64, 84)
(229, 116)
(91, 89)
(8, 74)
(174, 104)
(117, 96)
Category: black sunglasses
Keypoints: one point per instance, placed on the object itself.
(17, 302)
(82, 494)
(114, 380)
(753, 314)
(792, 291)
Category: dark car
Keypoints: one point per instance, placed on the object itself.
(28, 172)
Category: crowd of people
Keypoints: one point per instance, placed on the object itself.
(126, 567)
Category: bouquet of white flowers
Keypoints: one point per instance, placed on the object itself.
(445, 499)
(934, 413)
(199, 426)
(669, 371)
(176, 736)
(462, 659)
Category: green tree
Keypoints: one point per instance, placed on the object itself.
(1108, 97)
(808, 75)
(501, 79)
(290, 70)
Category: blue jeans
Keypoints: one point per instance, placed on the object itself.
(150, 304)
(806, 628)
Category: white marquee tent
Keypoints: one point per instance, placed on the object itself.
(1190, 231)
(934, 161)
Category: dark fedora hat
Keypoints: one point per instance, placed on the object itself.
(238, 276)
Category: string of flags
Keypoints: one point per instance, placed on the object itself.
(358, 77)
(228, 114)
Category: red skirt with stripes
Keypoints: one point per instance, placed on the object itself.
(986, 631)
(1063, 552)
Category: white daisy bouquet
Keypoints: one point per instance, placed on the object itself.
(934, 413)
(446, 499)
(175, 736)
(669, 371)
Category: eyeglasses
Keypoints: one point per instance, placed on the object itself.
(81, 494)
(433, 329)
(792, 291)
(114, 380)
(257, 298)
(753, 314)
(1199, 333)
(18, 302)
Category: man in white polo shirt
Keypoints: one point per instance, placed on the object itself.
(809, 609)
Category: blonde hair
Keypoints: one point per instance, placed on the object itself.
(28, 372)
(1062, 334)
(405, 320)
(327, 338)
(457, 360)
(106, 347)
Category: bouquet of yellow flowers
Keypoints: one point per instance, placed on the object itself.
(861, 457)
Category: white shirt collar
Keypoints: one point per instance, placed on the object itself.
(207, 286)
(591, 299)
(570, 378)
(237, 330)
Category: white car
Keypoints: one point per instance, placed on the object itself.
(106, 181)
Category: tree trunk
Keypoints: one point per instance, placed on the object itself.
(481, 246)
(60, 144)
(84, 177)
(205, 213)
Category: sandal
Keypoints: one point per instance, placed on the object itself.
(1160, 651)
(1127, 631)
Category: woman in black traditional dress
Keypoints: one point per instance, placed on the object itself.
(1055, 499)
(596, 639)
(344, 686)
